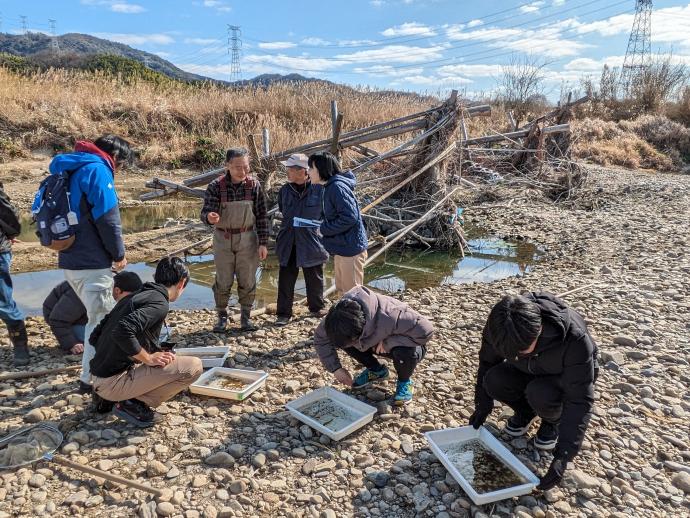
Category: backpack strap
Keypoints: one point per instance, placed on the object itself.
(223, 183)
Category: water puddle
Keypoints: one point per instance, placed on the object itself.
(490, 259)
(330, 414)
(134, 219)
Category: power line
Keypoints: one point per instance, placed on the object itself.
(25, 26)
(639, 51)
(54, 45)
(234, 46)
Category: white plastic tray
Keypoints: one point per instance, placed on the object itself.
(254, 379)
(206, 362)
(440, 438)
(364, 411)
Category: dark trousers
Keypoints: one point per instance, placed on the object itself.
(287, 277)
(526, 394)
(405, 359)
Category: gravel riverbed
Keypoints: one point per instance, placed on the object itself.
(629, 234)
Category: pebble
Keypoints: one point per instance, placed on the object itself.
(259, 460)
(220, 459)
(165, 509)
(155, 468)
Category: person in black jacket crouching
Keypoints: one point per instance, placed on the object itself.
(538, 357)
(129, 367)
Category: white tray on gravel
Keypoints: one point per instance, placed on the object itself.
(331, 412)
(242, 383)
(448, 446)
(209, 356)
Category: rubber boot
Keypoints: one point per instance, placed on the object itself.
(20, 343)
(221, 323)
(246, 323)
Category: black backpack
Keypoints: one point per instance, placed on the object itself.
(56, 222)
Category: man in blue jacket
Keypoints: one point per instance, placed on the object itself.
(344, 235)
(98, 248)
(299, 247)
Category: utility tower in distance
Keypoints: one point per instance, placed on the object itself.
(25, 25)
(54, 45)
(639, 52)
(234, 47)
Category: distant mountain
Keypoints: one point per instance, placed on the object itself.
(74, 47)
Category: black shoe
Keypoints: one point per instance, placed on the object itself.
(100, 405)
(282, 321)
(221, 323)
(20, 344)
(134, 412)
(518, 425)
(246, 323)
(547, 435)
(320, 313)
(85, 388)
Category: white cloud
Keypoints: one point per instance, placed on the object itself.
(315, 41)
(354, 43)
(409, 29)
(547, 40)
(387, 70)
(395, 54)
(292, 63)
(136, 39)
(123, 7)
(479, 70)
(556, 3)
(429, 80)
(532, 8)
(377, 3)
(201, 41)
(275, 45)
(474, 23)
(218, 5)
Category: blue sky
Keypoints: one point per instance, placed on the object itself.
(421, 45)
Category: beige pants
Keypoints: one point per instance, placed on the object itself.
(151, 385)
(349, 271)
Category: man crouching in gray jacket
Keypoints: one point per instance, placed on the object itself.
(364, 324)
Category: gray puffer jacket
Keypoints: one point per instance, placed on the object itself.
(387, 320)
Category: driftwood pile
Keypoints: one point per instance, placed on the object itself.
(407, 193)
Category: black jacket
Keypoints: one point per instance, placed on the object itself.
(564, 348)
(134, 323)
(306, 241)
(63, 309)
(10, 225)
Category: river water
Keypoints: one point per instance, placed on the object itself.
(490, 259)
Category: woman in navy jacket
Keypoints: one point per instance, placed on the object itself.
(299, 247)
(344, 235)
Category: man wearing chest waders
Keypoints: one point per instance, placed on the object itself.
(234, 205)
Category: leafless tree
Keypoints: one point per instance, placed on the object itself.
(521, 85)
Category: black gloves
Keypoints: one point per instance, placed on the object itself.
(554, 475)
(480, 414)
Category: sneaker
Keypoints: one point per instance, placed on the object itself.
(547, 435)
(282, 321)
(134, 412)
(518, 425)
(403, 392)
(221, 323)
(366, 377)
(85, 388)
(100, 405)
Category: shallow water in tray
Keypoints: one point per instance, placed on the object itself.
(329, 413)
(481, 468)
(202, 355)
(226, 383)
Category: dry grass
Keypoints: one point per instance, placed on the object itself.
(651, 142)
(177, 124)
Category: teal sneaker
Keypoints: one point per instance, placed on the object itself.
(403, 392)
(366, 377)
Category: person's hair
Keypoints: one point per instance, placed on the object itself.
(344, 322)
(170, 271)
(514, 323)
(127, 281)
(235, 152)
(116, 147)
(326, 164)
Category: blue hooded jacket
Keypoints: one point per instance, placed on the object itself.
(342, 228)
(98, 239)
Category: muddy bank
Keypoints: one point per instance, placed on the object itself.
(630, 237)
